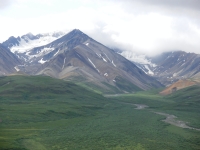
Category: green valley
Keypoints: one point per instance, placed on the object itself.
(43, 113)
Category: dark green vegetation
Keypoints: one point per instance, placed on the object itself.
(122, 85)
(125, 85)
(38, 113)
(187, 104)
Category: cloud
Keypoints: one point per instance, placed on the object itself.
(154, 26)
(169, 4)
(5, 3)
(188, 4)
(141, 26)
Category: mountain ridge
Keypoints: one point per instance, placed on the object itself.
(28, 41)
(8, 61)
(169, 67)
(76, 55)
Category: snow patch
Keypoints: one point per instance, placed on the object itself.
(78, 55)
(113, 63)
(39, 54)
(107, 57)
(149, 70)
(106, 74)
(141, 69)
(175, 74)
(98, 55)
(56, 53)
(93, 65)
(46, 50)
(104, 59)
(30, 44)
(63, 64)
(41, 61)
(59, 44)
(16, 68)
(183, 64)
(141, 59)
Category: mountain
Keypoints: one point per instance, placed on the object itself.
(168, 67)
(77, 57)
(29, 41)
(142, 61)
(8, 61)
(173, 66)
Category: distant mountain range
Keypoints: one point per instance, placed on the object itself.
(79, 58)
(168, 67)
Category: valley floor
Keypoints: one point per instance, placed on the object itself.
(171, 119)
(88, 121)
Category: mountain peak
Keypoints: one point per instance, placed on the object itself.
(29, 36)
(76, 32)
(76, 55)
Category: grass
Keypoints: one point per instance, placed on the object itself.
(121, 85)
(44, 113)
(92, 86)
(125, 85)
(187, 104)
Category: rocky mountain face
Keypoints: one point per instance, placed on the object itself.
(169, 67)
(8, 61)
(75, 56)
(173, 66)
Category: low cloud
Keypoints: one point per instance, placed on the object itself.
(141, 26)
(5, 3)
(187, 4)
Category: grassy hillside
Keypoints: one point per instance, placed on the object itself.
(187, 104)
(50, 114)
(122, 85)
(184, 104)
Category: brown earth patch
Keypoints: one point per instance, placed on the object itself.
(177, 86)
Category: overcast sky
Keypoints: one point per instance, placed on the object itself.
(142, 26)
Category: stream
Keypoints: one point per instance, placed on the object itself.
(171, 119)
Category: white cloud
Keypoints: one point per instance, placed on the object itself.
(145, 26)
(4, 4)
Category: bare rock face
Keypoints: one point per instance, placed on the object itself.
(75, 56)
(8, 61)
(177, 65)
(170, 67)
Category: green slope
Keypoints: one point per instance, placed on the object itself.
(42, 113)
(187, 104)
(121, 85)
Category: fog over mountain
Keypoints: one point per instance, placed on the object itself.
(141, 26)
